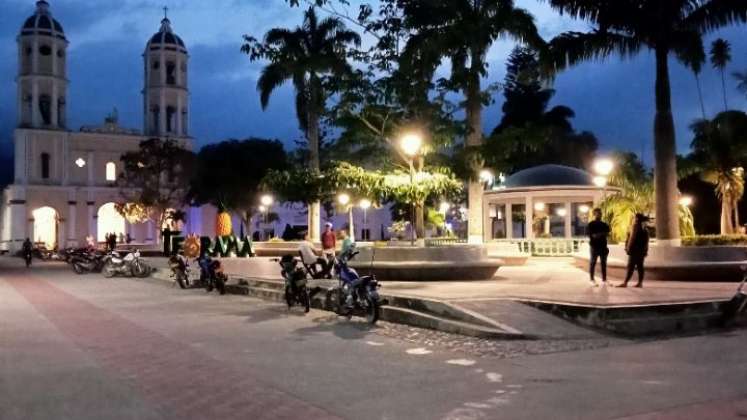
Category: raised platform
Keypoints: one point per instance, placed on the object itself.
(700, 264)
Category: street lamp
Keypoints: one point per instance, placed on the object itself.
(364, 204)
(411, 144)
(603, 167)
(487, 177)
(686, 201)
(343, 199)
(266, 200)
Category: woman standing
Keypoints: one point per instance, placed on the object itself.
(637, 248)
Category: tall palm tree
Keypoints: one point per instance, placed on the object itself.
(307, 56)
(720, 150)
(463, 31)
(694, 60)
(741, 81)
(626, 27)
(720, 58)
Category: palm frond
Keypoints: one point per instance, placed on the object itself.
(716, 14)
(572, 48)
(272, 77)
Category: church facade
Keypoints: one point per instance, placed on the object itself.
(64, 181)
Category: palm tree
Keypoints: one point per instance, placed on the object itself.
(626, 27)
(720, 57)
(308, 56)
(741, 81)
(720, 150)
(694, 60)
(463, 31)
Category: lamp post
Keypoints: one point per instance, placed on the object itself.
(364, 204)
(411, 145)
(344, 200)
(444, 208)
(603, 167)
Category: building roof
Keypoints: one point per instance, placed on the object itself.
(166, 39)
(42, 23)
(549, 175)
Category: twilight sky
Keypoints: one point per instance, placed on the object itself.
(614, 99)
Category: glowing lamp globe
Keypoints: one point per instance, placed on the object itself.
(365, 204)
(266, 200)
(343, 199)
(603, 167)
(411, 144)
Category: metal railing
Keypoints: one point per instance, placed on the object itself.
(444, 241)
(548, 247)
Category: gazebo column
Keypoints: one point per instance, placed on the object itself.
(568, 220)
(529, 216)
(509, 218)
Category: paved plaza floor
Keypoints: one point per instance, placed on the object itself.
(86, 347)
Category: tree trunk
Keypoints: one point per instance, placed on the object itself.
(420, 221)
(723, 87)
(700, 95)
(312, 136)
(667, 215)
(474, 140)
(737, 226)
(727, 224)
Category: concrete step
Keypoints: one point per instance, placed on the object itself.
(641, 326)
(424, 320)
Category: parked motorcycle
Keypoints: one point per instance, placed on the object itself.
(356, 292)
(211, 274)
(86, 261)
(296, 292)
(180, 270)
(129, 265)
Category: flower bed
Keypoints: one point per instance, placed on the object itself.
(714, 240)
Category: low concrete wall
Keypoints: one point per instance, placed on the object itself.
(507, 252)
(408, 263)
(712, 263)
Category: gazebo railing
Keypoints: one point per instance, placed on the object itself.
(548, 247)
(444, 241)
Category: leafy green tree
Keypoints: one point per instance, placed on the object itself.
(719, 148)
(463, 32)
(720, 58)
(311, 56)
(625, 27)
(228, 174)
(156, 177)
(529, 134)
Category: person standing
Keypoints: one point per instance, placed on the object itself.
(637, 248)
(329, 244)
(598, 232)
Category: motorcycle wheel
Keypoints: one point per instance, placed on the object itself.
(180, 278)
(306, 299)
(289, 298)
(220, 284)
(78, 268)
(373, 310)
(140, 269)
(109, 271)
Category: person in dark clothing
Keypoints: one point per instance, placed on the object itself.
(637, 248)
(598, 232)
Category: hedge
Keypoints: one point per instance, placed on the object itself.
(712, 240)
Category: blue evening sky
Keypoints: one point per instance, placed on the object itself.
(614, 99)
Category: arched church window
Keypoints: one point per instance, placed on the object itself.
(45, 108)
(170, 70)
(45, 165)
(29, 50)
(45, 50)
(170, 111)
(111, 171)
(156, 65)
(156, 115)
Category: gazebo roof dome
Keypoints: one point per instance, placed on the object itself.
(549, 175)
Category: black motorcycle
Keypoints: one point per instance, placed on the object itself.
(296, 292)
(86, 261)
(180, 270)
(356, 293)
(211, 274)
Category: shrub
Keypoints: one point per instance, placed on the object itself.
(714, 240)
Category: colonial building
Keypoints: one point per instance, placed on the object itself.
(63, 189)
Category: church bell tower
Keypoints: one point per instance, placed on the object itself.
(166, 95)
(42, 69)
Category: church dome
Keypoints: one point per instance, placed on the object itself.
(549, 175)
(166, 39)
(42, 23)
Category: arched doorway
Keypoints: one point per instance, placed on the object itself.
(45, 226)
(109, 221)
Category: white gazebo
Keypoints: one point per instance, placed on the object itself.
(544, 202)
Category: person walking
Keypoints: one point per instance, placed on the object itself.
(637, 248)
(329, 244)
(598, 232)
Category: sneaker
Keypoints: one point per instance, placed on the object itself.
(593, 283)
(604, 283)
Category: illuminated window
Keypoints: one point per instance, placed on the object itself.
(111, 171)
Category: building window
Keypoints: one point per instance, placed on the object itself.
(45, 50)
(156, 65)
(45, 165)
(170, 74)
(111, 171)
